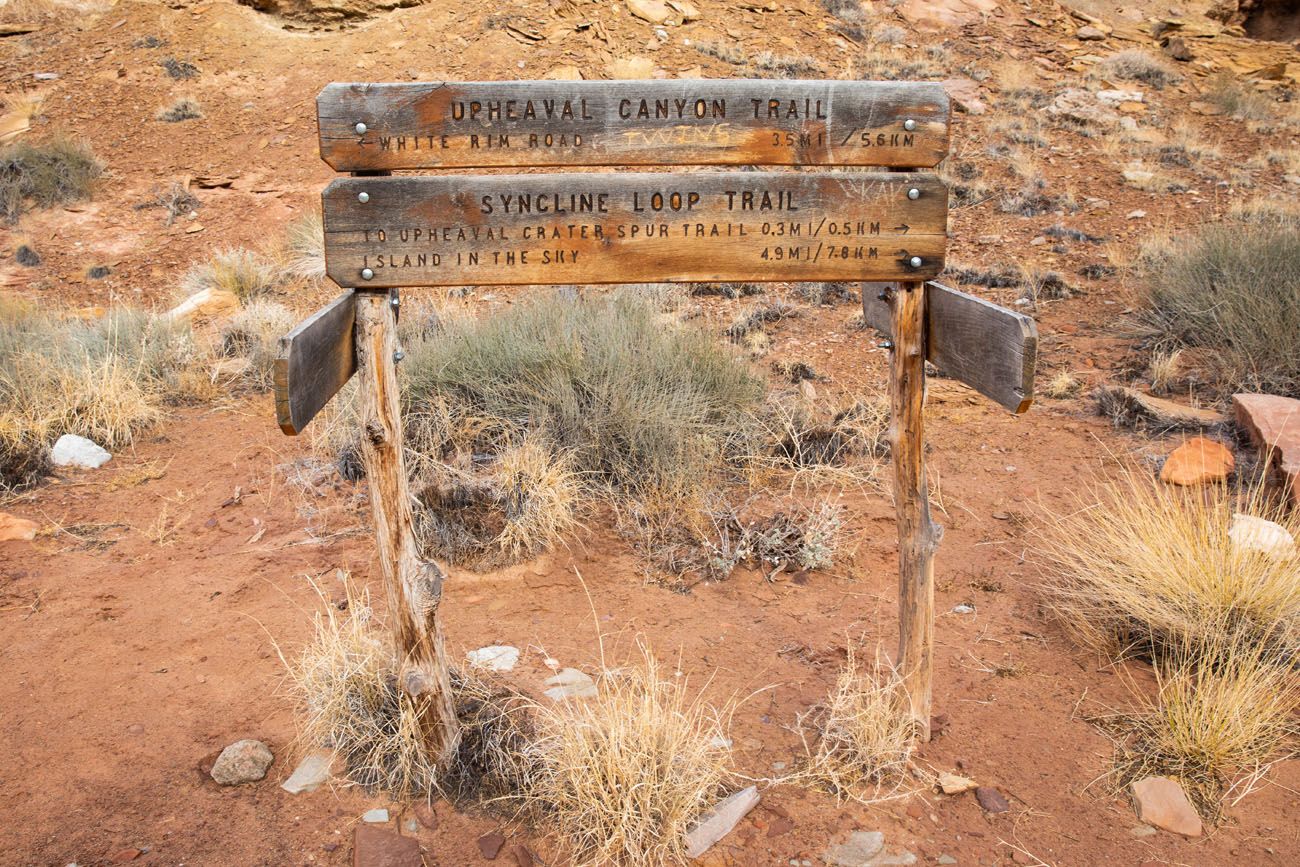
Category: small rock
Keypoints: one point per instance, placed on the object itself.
(1135, 215)
(1161, 802)
(991, 800)
(1138, 176)
(1177, 48)
(523, 858)
(425, 815)
(1197, 462)
(73, 451)
(489, 845)
(122, 856)
(564, 73)
(654, 11)
(858, 850)
(16, 529)
(243, 761)
(946, 859)
(1142, 831)
(719, 821)
(780, 825)
(963, 608)
(498, 657)
(631, 68)
(1117, 97)
(965, 95)
(377, 816)
(1088, 33)
(1081, 107)
(1250, 533)
(952, 784)
(570, 683)
(312, 772)
(377, 847)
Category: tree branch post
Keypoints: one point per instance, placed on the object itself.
(412, 585)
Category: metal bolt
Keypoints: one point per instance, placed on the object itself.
(366, 274)
(914, 194)
(909, 124)
(395, 301)
(363, 197)
(915, 261)
(884, 295)
(886, 344)
(361, 129)
(398, 356)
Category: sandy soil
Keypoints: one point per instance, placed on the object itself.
(142, 637)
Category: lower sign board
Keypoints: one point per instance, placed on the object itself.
(315, 360)
(990, 348)
(634, 227)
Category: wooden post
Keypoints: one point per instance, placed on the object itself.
(918, 536)
(412, 584)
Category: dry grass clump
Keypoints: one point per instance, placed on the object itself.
(345, 683)
(1236, 98)
(54, 172)
(621, 777)
(1234, 289)
(1137, 65)
(180, 110)
(254, 333)
(242, 272)
(106, 379)
(1149, 566)
(305, 247)
(862, 736)
(1214, 725)
(1063, 385)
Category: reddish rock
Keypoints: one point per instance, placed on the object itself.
(1162, 803)
(523, 858)
(16, 529)
(1197, 462)
(425, 815)
(780, 825)
(124, 855)
(1273, 423)
(377, 847)
(992, 800)
(490, 845)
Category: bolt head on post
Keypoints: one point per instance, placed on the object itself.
(361, 128)
(367, 274)
(909, 125)
(914, 262)
(363, 197)
(914, 194)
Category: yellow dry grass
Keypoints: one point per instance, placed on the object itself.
(620, 778)
(1139, 564)
(859, 742)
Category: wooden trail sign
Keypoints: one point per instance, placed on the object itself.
(623, 227)
(367, 127)
(990, 348)
(633, 228)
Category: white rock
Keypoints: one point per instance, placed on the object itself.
(376, 816)
(858, 850)
(74, 451)
(1115, 97)
(1138, 176)
(1256, 534)
(570, 683)
(497, 657)
(719, 821)
(963, 608)
(311, 773)
(243, 761)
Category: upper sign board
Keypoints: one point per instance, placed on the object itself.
(630, 227)
(375, 127)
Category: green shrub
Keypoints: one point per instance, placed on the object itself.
(1233, 290)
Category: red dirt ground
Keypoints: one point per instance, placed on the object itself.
(142, 638)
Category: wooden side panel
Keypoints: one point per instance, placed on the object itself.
(316, 359)
(632, 228)
(990, 348)
(633, 123)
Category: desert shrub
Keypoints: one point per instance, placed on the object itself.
(241, 272)
(1237, 99)
(1232, 288)
(621, 777)
(107, 379)
(181, 109)
(253, 333)
(305, 247)
(1136, 65)
(1145, 567)
(55, 172)
(858, 742)
(634, 405)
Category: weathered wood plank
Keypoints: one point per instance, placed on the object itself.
(990, 348)
(633, 123)
(316, 359)
(629, 228)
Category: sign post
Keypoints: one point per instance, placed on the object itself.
(620, 227)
